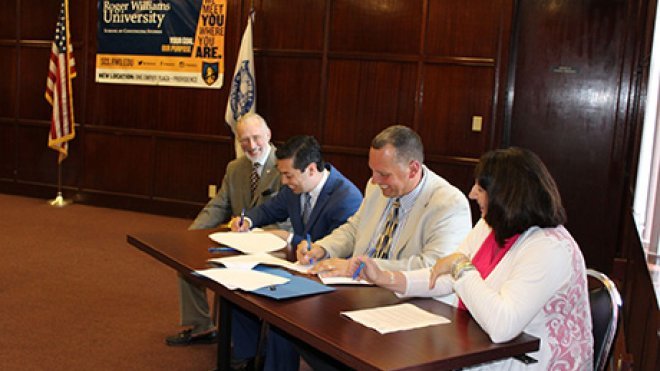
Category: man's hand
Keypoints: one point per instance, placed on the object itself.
(309, 255)
(236, 225)
(333, 267)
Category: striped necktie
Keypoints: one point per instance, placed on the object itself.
(385, 241)
(254, 178)
(307, 207)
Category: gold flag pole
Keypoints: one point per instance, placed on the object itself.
(59, 201)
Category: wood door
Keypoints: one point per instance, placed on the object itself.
(570, 91)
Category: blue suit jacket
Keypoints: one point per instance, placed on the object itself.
(338, 200)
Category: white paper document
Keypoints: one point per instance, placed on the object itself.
(343, 281)
(249, 242)
(397, 317)
(246, 280)
(249, 261)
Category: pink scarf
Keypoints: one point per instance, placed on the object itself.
(488, 256)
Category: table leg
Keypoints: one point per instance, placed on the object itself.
(224, 334)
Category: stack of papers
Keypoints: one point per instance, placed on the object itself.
(395, 318)
(247, 280)
(343, 281)
(250, 261)
(249, 242)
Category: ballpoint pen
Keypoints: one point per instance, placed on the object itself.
(240, 222)
(357, 271)
(309, 247)
(217, 249)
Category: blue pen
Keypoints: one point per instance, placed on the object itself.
(240, 222)
(357, 271)
(309, 247)
(221, 249)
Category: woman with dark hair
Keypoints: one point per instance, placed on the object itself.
(518, 270)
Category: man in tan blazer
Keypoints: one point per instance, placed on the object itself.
(432, 219)
(235, 195)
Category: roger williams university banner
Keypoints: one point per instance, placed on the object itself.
(161, 42)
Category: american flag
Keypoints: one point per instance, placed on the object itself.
(61, 70)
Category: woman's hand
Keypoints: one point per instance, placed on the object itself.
(443, 266)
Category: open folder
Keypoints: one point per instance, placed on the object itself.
(296, 286)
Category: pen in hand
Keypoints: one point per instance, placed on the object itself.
(309, 247)
(240, 222)
(356, 274)
(221, 249)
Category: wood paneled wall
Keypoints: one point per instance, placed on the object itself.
(340, 70)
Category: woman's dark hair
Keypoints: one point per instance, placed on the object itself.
(521, 192)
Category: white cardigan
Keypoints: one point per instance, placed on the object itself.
(539, 287)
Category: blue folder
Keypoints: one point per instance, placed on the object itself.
(296, 287)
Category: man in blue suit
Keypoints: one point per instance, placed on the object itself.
(331, 198)
(317, 199)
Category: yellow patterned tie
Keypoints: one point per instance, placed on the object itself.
(385, 241)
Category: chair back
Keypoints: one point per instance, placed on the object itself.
(605, 303)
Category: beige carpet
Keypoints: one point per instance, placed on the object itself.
(75, 296)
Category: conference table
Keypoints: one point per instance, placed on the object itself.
(316, 319)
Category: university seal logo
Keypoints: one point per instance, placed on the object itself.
(210, 72)
(242, 91)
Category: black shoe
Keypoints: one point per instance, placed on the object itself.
(246, 364)
(186, 337)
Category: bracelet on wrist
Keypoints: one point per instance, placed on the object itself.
(460, 260)
(461, 269)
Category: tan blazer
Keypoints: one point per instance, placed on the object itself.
(234, 193)
(438, 222)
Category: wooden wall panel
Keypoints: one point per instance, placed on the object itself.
(187, 110)
(364, 97)
(289, 24)
(118, 163)
(38, 163)
(33, 71)
(7, 151)
(452, 96)
(356, 167)
(465, 28)
(376, 26)
(38, 29)
(8, 86)
(462, 175)
(8, 28)
(185, 167)
(35, 30)
(288, 95)
(124, 106)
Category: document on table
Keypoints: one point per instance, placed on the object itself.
(249, 261)
(343, 281)
(397, 317)
(246, 280)
(249, 242)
